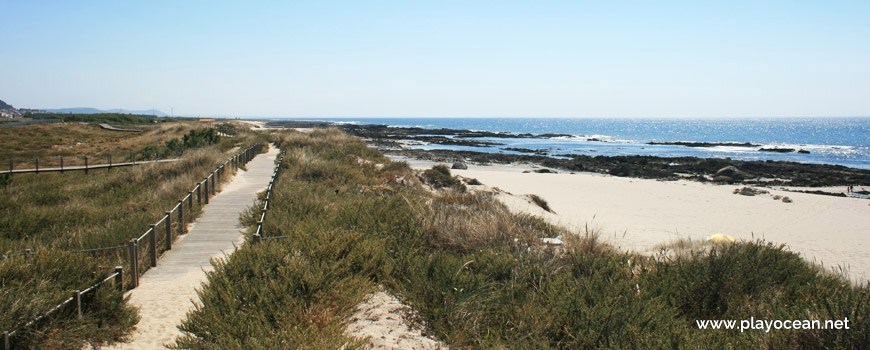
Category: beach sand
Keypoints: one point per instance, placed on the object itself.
(641, 214)
(389, 324)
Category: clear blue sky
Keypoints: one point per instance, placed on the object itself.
(441, 58)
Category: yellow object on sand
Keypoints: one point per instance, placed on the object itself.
(721, 238)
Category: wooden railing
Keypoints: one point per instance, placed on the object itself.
(203, 190)
(60, 164)
(260, 233)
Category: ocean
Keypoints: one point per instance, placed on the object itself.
(840, 141)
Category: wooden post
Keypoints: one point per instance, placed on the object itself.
(199, 195)
(168, 230)
(77, 295)
(213, 185)
(206, 189)
(7, 344)
(153, 249)
(256, 238)
(61, 165)
(27, 253)
(119, 278)
(37, 165)
(86, 164)
(262, 230)
(181, 217)
(133, 256)
(110, 161)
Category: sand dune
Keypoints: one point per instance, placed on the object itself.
(639, 214)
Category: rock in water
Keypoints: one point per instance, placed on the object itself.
(778, 150)
(460, 166)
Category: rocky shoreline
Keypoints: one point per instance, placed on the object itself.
(722, 170)
(768, 173)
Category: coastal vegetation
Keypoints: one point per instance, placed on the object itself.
(23, 145)
(54, 214)
(112, 118)
(347, 221)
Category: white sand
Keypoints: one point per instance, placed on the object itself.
(638, 214)
(255, 124)
(261, 125)
(388, 324)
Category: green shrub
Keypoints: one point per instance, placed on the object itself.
(439, 177)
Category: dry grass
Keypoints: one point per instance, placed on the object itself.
(683, 247)
(540, 202)
(49, 142)
(469, 222)
(54, 213)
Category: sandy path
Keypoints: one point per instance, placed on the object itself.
(165, 293)
(638, 214)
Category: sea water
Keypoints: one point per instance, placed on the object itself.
(840, 141)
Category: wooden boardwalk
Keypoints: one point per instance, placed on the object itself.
(166, 292)
(115, 128)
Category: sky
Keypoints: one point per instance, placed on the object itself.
(461, 59)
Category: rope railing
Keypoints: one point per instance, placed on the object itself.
(260, 233)
(76, 298)
(209, 185)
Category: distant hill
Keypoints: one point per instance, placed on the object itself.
(88, 110)
(4, 105)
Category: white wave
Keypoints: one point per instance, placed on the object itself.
(593, 138)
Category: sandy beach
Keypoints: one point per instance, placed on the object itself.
(640, 214)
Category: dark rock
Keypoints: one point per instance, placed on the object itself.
(749, 191)
(725, 179)
(732, 172)
(803, 151)
(704, 144)
(620, 170)
(460, 166)
(780, 173)
(778, 150)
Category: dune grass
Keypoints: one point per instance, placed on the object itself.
(54, 213)
(480, 275)
(72, 141)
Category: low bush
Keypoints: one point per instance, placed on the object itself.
(439, 177)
